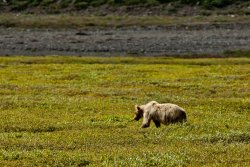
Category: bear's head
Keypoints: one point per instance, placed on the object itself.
(138, 112)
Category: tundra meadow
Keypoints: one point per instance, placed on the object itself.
(78, 111)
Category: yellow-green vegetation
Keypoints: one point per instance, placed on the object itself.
(78, 21)
(73, 111)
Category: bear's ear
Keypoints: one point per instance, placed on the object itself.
(138, 108)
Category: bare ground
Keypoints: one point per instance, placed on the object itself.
(208, 39)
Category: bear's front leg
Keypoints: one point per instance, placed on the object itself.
(146, 122)
(145, 125)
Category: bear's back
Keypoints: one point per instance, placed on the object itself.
(170, 113)
(169, 107)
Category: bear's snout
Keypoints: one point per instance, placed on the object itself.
(136, 118)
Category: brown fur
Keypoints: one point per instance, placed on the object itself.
(159, 113)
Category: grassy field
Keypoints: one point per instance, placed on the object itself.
(72, 111)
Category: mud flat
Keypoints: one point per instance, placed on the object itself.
(209, 39)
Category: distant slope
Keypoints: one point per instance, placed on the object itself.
(165, 6)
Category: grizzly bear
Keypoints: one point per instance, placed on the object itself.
(160, 113)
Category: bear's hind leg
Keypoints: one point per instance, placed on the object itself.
(157, 123)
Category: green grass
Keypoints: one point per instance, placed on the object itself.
(72, 111)
(62, 21)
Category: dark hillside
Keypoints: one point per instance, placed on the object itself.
(125, 6)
